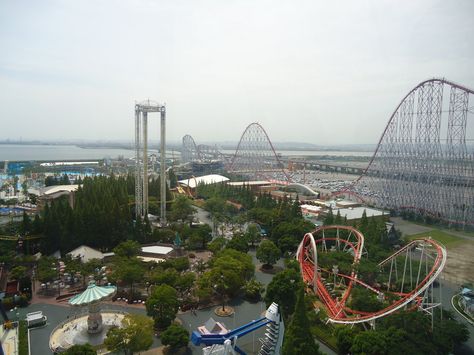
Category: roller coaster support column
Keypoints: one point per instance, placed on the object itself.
(163, 165)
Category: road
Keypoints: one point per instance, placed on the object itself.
(447, 292)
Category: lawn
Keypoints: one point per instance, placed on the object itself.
(445, 238)
(23, 338)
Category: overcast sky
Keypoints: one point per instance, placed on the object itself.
(313, 71)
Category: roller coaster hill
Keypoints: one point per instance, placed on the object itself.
(423, 164)
(352, 288)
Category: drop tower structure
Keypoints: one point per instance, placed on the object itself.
(141, 158)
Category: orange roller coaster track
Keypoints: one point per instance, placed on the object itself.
(411, 271)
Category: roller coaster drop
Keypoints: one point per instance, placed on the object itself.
(411, 272)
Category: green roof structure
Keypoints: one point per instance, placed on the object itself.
(93, 294)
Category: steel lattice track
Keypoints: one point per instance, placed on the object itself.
(337, 309)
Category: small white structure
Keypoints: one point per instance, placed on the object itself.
(357, 212)
(157, 249)
(35, 319)
(193, 182)
(310, 210)
(86, 253)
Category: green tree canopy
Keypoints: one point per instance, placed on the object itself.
(175, 336)
(268, 253)
(136, 334)
(283, 289)
(182, 209)
(127, 249)
(162, 305)
(84, 349)
(298, 338)
(129, 271)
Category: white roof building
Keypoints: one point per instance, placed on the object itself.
(86, 253)
(50, 190)
(356, 212)
(193, 182)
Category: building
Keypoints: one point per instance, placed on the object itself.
(355, 213)
(86, 253)
(47, 194)
(191, 183)
(310, 210)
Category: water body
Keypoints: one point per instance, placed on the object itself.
(19, 152)
(27, 152)
(316, 153)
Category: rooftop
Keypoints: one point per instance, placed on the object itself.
(206, 179)
(157, 249)
(356, 212)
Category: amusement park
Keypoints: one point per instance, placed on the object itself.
(253, 251)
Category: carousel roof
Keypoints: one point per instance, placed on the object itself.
(93, 293)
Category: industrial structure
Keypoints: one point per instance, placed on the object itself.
(254, 157)
(141, 158)
(410, 274)
(424, 160)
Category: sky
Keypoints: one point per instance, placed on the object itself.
(321, 72)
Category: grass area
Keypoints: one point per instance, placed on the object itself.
(445, 238)
(457, 231)
(23, 338)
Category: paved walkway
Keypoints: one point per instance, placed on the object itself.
(9, 340)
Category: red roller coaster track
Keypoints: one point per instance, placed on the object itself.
(412, 292)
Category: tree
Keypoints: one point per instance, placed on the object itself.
(345, 338)
(47, 271)
(298, 337)
(252, 234)
(364, 223)
(370, 342)
(136, 334)
(268, 253)
(25, 226)
(283, 289)
(217, 245)
(175, 336)
(182, 209)
(162, 305)
(128, 249)
(253, 290)
(84, 349)
(238, 242)
(184, 283)
(365, 300)
(329, 219)
(129, 272)
(18, 272)
(200, 236)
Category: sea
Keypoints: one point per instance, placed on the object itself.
(32, 152)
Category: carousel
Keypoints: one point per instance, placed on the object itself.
(88, 323)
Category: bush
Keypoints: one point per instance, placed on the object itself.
(175, 336)
(253, 290)
(23, 338)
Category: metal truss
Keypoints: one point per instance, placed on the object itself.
(255, 155)
(189, 151)
(425, 157)
(410, 274)
(141, 158)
